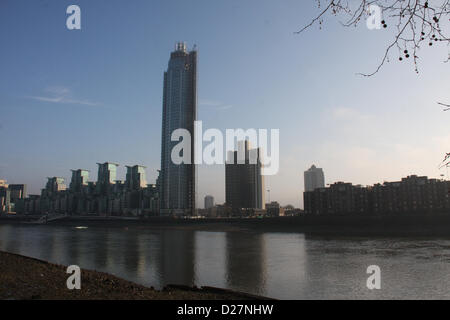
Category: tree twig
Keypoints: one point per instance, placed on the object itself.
(416, 22)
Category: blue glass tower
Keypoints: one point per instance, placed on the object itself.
(177, 181)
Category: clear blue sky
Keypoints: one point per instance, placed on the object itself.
(69, 99)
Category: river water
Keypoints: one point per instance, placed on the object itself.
(278, 265)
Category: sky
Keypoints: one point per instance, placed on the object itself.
(72, 98)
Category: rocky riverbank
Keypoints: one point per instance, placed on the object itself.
(28, 278)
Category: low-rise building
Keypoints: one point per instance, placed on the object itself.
(273, 209)
(4, 197)
(411, 195)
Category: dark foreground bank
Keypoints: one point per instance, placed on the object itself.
(23, 278)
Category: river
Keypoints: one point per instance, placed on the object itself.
(278, 265)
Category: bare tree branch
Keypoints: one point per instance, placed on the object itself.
(416, 23)
(445, 162)
(447, 106)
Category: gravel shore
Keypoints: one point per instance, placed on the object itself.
(28, 278)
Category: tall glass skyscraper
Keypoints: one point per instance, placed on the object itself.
(177, 181)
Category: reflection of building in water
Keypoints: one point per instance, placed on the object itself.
(285, 265)
(73, 245)
(11, 239)
(177, 257)
(210, 259)
(46, 246)
(102, 248)
(245, 260)
(131, 250)
(148, 261)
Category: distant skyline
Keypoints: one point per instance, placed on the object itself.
(70, 99)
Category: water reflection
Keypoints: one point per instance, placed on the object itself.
(245, 261)
(282, 265)
(286, 264)
(210, 257)
(131, 247)
(177, 257)
(101, 256)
